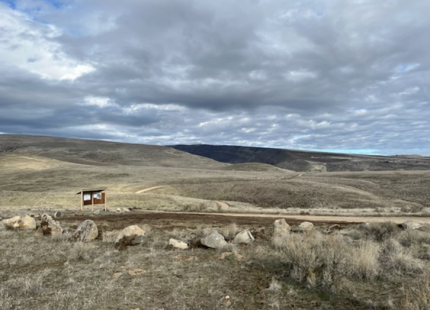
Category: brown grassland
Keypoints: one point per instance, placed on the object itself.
(374, 266)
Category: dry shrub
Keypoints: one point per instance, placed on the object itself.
(279, 240)
(417, 297)
(61, 237)
(110, 236)
(397, 260)
(28, 286)
(82, 251)
(412, 209)
(316, 259)
(380, 231)
(326, 261)
(275, 285)
(410, 237)
(364, 260)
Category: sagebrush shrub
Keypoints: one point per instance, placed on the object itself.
(380, 231)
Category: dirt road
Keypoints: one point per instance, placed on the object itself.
(169, 220)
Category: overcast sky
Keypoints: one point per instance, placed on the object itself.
(334, 75)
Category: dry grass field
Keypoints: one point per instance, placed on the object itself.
(377, 266)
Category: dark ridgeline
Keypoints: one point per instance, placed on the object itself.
(305, 160)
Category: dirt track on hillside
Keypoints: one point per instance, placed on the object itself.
(179, 219)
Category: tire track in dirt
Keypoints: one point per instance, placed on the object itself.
(149, 189)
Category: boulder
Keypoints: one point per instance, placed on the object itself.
(179, 244)
(129, 236)
(222, 206)
(87, 231)
(214, 240)
(411, 225)
(244, 237)
(12, 222)
(58, 214)
(305, 227)
(125, 210)
(281, 227)
(48, 226)
(27, 223)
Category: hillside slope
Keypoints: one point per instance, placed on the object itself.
(305, 161)
(90, 152)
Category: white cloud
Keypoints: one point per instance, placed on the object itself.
(311, 74)
(27, 44)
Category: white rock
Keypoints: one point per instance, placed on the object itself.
(87, 231)
(12, 222)
(131, 235)
(244, 237)
(222, 206)
(305, 226)
(125, 210)
(48, 226)
(179, 244)
(214, 240)
(411, 225)
(281, 227)
(27, 223)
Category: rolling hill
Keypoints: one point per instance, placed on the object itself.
(306, 161)
(103, 153)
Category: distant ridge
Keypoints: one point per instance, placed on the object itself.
(306, 161)
(101, 153)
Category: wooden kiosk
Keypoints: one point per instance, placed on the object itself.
(93, 197)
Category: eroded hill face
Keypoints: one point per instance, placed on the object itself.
(304, 161)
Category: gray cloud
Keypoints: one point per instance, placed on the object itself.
(332, 74)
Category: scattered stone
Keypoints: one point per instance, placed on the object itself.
(97, 211)
(411, 225)
(48, 227)
(224, 255)
(122, 269)
(27, 223)
(129, 236)
(117, 275)
(118, 210)
(244, 237)
(136, 272)
(305, 227)
(179, 244)
(227, 301)
(214, 240)
(58, 214)
(11, 223)
(87, 231)
(125, 210)
(222, 206)
(281, 227)
(36, 216)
